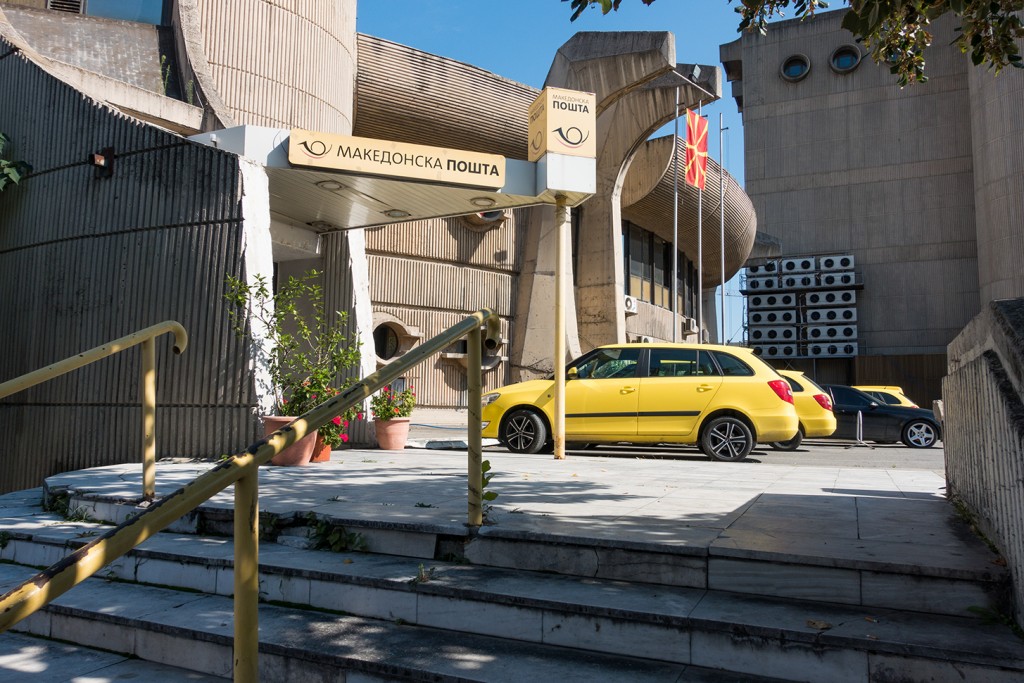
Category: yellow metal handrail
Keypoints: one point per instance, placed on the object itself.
(242, 471)
(147, 383)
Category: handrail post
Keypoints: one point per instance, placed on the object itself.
(247, 583)
(147, 391)
(474, 342)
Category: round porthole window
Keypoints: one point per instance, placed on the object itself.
(385, 342)
(392, 337)
(795, 68)
(845, 59)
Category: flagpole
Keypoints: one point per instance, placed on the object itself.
(721, 213)
(700, 251)
(675, 223)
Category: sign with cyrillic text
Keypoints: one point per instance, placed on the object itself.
(395, 159)
(563, 122)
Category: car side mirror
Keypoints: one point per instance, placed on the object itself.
(572, 373)
(873, 405)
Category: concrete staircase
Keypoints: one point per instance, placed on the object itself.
(429, 603)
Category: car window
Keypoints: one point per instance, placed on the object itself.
(732, 366)
(850, 397)
(884, 397)
(793, 384)
(681, 363)
(609, 364)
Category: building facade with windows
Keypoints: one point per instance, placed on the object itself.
(919, 186)
(147, 126)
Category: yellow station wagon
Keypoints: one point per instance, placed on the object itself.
(813, 407)
(722, 398)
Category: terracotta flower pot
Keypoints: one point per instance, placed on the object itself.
(299, 453)
(392, 434)
(321, 451)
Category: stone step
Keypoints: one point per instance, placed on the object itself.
(794, 640)
(192, 629)
(25, 659)
(780, 561)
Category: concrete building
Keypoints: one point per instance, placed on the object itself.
(156, 138)
(921, 185)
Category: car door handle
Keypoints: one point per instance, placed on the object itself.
(704, 387)
(627, 390)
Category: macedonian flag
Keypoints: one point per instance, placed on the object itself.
(696, 149)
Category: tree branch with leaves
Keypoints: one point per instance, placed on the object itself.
(895, 32)
(11, 172)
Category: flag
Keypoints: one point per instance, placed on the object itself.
(696, 149)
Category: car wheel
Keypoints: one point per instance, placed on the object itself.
(790, 445)
(524, 432)
(727, 439)
(920, 434)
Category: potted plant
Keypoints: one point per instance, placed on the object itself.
(303, 350)
(391, 410)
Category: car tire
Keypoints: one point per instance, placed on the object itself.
(727, 439)
(790, 445)
(523, 431)
(920, 434)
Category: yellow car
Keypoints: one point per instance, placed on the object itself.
(893, 396)
(723, 398)
(813, 407)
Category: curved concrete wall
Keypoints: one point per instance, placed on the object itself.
(997, 127)
(283, 63)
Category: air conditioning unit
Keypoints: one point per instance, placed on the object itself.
(772, 334)
(644, 339)
(771, 317)
(848, 298)
(804, 264)
(837, 279)
(838, 262)
(831, 316)
(819, 333)
(688, 326)
(769, 268)
(798, 281)
(779, 351)
(630, 305)
(772, 300)
(762, 283)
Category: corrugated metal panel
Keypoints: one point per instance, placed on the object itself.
(395, 280)
(272, 68)
(85, 260)
(919, 375)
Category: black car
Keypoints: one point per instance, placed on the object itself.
(883, 423)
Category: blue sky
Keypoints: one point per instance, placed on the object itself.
(517, 39)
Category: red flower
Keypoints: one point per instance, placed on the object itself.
(346, 423)
(344, 438)
(337, 421)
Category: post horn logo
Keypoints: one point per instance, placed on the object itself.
(315, 148)
(572, 137)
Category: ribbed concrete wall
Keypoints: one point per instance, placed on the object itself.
(984, 430)
(998, 133)
(851, 163)
(84, 260)
(283, 63)
(431, 274)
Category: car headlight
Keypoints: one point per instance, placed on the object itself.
(488, 399)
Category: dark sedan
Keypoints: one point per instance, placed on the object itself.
(883, 423)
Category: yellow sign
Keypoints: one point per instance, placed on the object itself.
(563, 122)
(395, 159)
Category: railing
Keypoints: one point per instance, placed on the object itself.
(242, 471)
(147, 383)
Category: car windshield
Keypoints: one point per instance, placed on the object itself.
(609, 364)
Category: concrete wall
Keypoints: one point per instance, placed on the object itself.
(984, 430)
(84, 260)
(851, 163)
(997, 128)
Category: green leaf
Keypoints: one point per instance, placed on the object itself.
(490, 495)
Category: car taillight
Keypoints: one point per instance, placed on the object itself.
(782, 388)
(824, 401)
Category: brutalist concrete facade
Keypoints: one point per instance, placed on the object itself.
(921, 184)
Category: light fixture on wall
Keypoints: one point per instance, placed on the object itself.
(330, 185)
(397, 213)
(482, 202)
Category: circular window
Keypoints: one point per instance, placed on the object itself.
(845, 59)
(385, 342)
(795, 68)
